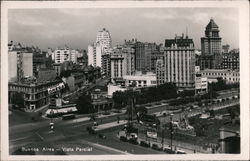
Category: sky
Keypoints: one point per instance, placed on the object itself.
(77, 28)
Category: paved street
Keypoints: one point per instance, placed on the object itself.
(73, 132)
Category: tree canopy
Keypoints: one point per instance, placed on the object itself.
(84, 105)
(145, 95)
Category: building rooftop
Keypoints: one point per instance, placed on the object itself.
(181, 41)
(212, 25)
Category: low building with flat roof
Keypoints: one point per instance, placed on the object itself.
(230, 76)
(141, 80)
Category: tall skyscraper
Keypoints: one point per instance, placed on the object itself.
(211, 47)
(104, 38)
(179, 61)
(98, 54)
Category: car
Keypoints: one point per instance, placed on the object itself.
(145, 144)
(91, 130)
(180, 152)
(168, 150)
(156, 147)
(133, 141)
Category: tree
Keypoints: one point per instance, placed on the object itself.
(84, 104)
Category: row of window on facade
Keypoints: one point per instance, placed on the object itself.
(220, 74)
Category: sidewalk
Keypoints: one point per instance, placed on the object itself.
(111, 124)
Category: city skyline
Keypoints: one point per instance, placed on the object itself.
(78, 28)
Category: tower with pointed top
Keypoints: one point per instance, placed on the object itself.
(211, 47)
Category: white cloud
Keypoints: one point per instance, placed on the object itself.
(79, 12)
(160, 16)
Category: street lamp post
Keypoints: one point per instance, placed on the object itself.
(171, 132)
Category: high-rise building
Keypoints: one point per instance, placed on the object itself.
(61, 55)
(95, 55)
(106, 63)
(179, 61)
(211, 47)
(20, 63)
(100, 50)
(144, 54)
(104, 38)
(122, 62)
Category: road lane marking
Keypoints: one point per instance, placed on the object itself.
(40, 136)
(18, 139)
(109, 148)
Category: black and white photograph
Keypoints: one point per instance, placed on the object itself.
(132, 79)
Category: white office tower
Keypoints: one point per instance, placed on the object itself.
(95, 55)
(179, 59)
(96, 50)
(104, 38)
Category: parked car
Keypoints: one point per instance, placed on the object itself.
(145, 144)
(133, 141)
(168, 150)
(156, 147)
(91, 130)
(180, 152)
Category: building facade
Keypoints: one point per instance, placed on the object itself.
(98, 52)
(61, 55)
(104, 39)
(201, 84)
(141, 80)
(179, 61)
(106, 64)
(211, 47)
(35, 94)
(122, 62)
(230, 76)
(146, 54)
(160, 71)
(231, 60)
(95, 55)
